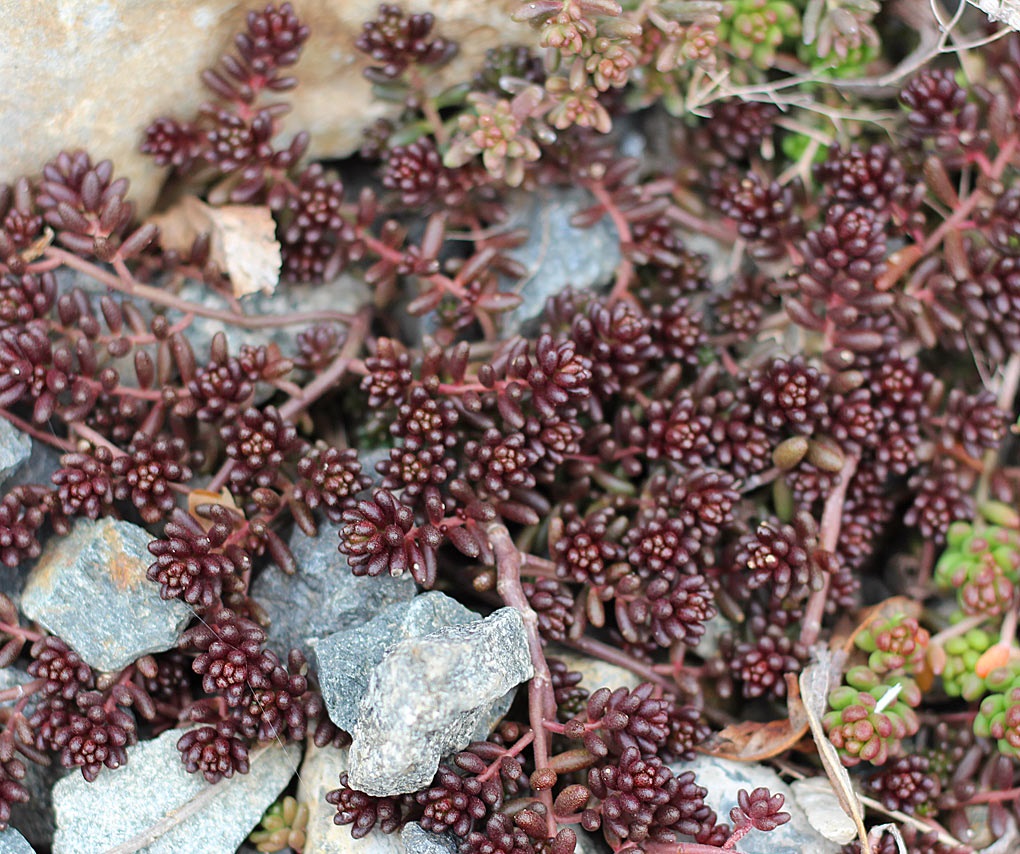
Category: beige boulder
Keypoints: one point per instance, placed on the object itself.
(90, 74)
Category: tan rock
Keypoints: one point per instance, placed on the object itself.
(320, 773)
(596, 674)
(86, 74)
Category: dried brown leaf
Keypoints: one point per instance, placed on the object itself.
(754, 741)
(242, 240)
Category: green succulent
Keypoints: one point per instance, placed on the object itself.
(983, 565)
(962, 654)
(754, 29)
(852, 63)
(839, 36)
(999, 714)
(897, 645)
(869, 718)
(282, 827)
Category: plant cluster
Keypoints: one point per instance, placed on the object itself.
(698, 473)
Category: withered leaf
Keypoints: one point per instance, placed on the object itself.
(754, 741)
(243, 240)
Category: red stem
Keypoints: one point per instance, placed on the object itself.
(828, 535)
(541, 702)
(991, 797)
(625, 272)
(612, 655)
(64, 445)
(165, 298)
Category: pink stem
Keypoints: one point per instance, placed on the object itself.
(541, 703)
(832, 521)
(165, 298)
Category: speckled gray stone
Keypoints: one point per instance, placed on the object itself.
(427, 697)
(345, 660)
(40, 464)
(15, 449)
(345, 294)
(724, 778)
(322, 597)
(12, 842)
(418, 840)
(90, 589)
(557, 254)
(154, 802)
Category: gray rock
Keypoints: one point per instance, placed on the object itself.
(724, 778)
(15, 449)
(428, 697)
(417, 840)
(90, 589)
(154, 805)
(12, 842)
(320, 772)
(42, 461)
(322, 596)
(557, 254)
(345, 660)
(344, 294)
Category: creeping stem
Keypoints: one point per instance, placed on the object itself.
(541, 702)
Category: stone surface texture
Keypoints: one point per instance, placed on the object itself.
(90, 589)
(345, 293)
(558, 254)
(724, 778)
(320, 772)
(428, 696)
(322, 597)
(12, 842)
(15, 449)
(93, 75)
(155, 804)
(417, 840)
(345, 660)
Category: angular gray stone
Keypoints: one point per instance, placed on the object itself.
(558, 254)
(40, 464)
(15, 449)
(429, 695)
(346, 660)
(90, 589)
(724, 778)
(418, 840)
(12, 842)
(155, 804)
(320, 772)
(322, 596)
(344, 294)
